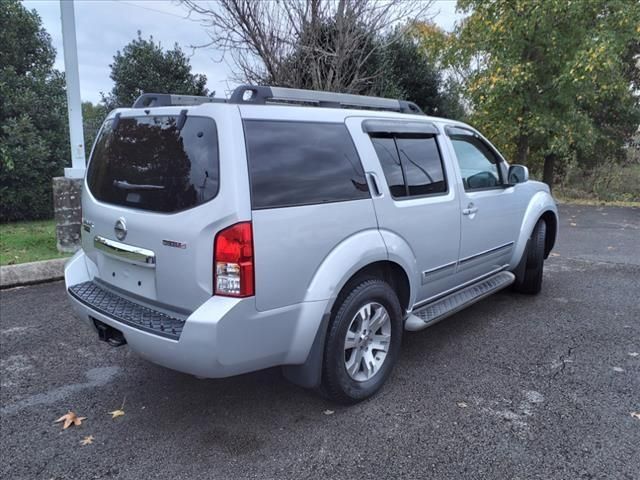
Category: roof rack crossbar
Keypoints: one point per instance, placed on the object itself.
(261, 95)
(170, 100)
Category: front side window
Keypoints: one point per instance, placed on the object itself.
(412, 165)
(478, 164)
(302, 163)
(149, 163)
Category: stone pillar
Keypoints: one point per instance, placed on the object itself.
(67, 209)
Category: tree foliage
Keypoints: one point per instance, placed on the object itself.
(549, 80)
(357, 46)
(33, 129)
(143, 66)
(93, 116)
(318, 44)
(412, 73)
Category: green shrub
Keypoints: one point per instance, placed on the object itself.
(34, 143)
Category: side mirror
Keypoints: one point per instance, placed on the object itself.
(517, 174)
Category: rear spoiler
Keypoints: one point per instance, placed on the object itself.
(170, 100)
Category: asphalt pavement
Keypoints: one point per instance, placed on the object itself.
(513, 387)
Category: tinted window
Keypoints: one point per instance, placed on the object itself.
(478, 164)
(412, 165)
(293, 163)
(388, 156)
(150, 164)
(422, 165)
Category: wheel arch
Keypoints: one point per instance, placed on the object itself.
(387, 270)
(541, 206)
(309, 374)
(551, 220)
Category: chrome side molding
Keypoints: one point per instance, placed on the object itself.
(122, 251)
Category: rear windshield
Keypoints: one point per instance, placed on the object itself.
(150, 164)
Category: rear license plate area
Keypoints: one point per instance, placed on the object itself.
(129, 277)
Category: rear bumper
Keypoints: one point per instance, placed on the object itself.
(223, 337)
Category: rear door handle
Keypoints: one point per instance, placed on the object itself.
(373, 184)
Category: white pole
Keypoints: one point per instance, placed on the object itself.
(74, 104)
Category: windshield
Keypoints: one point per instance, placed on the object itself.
(150, 163)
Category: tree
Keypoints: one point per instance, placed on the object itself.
(92, 118)
(33, 130)
(317, 44)
(436, 44)
(411, 73)
(549, 80)
(143, 66)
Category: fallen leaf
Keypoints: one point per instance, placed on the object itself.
(329, 412)
(70, 418)
(88, 440)
(462, 404)
(636, 415)
(119, 412)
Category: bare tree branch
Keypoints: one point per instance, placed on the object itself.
(318, 44)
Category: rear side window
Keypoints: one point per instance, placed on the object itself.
(149, 163)
(388, 156)
(295, 163)
(422, 165)
(412, 165)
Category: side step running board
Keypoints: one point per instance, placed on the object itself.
(440, 309)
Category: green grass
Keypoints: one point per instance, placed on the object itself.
(594, 202)
(609, 184)
(23, 242)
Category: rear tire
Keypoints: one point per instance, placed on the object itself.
(531, 280)
(363, 342)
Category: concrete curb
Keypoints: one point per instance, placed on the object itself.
(30, 273)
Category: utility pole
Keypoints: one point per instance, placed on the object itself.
(72, 77)
(67, 190)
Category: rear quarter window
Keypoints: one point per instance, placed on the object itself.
(149, 163)
(302, 163)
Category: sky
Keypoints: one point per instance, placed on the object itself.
(106, 26)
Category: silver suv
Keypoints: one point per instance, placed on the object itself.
(299, 229)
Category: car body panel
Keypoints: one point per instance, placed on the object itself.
(292, 243)
(429, 224)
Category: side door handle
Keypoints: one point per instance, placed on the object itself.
(372, 179)
(470, 210)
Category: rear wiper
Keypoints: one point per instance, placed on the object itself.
(123, 184)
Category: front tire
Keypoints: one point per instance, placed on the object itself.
(363, 342)
(530, 281)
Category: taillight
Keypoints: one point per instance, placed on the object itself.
(233, 261)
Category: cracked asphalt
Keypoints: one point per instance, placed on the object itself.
(513, 387)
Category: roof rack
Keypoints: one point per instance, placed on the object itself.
(263, 95)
